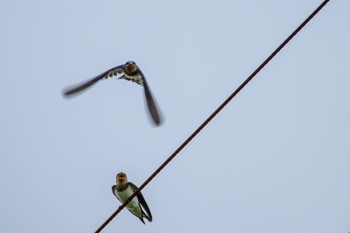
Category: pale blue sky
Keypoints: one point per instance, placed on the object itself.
(276, 159)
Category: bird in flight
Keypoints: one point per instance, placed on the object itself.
(128, 71)
(137, 206)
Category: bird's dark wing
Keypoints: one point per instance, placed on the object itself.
(150, 102)
(142, 202)
(114, 191)
(80, 87)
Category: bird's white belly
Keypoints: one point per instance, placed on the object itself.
(136, 78)
(125, 195)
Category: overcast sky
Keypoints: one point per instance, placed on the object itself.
(276, 159)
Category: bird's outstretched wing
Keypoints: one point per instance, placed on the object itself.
(80, 87)
(150, 102)
(142, 202)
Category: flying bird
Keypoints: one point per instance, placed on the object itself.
(129, 71)
(137, 206)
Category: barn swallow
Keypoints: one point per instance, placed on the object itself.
(123, 190)
(129, 71)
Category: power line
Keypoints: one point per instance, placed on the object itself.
(173, 155)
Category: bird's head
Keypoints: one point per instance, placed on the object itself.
(121, 179)
(130, 68)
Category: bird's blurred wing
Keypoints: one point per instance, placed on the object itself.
(80, 87)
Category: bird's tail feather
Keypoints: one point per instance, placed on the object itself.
(146, 216)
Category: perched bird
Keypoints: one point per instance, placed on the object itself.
(129, 71)
(123, 190)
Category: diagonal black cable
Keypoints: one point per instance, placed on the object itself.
(215, 112)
